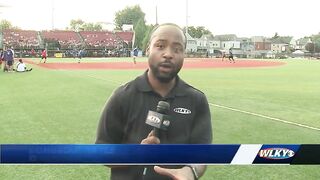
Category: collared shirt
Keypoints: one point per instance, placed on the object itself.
(123, 118)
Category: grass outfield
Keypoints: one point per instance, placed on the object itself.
(63, 106)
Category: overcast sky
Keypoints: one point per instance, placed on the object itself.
(245, 18)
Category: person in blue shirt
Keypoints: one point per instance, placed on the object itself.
(80, 55)
(135, 54)
(9, 59)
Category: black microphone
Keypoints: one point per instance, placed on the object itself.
(159, 120)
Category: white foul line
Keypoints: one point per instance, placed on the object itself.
(233, 109)
(267, 117)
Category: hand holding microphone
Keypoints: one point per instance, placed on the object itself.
(151, 139)
(159, 121)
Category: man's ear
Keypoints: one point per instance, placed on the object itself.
(148, 50)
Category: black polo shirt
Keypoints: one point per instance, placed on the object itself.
(123, 119)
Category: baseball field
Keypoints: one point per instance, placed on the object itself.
(251, 102)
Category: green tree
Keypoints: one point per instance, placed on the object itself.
(76, 24)
(313, 46)
(140, 32)
(5, 24)
(92, 27)
(310, 47)
(133, 15)
(197, 32)
(316, 41)
(79, 24)
(129, 15)
(191, 30)
(275, 36)
(145, 40)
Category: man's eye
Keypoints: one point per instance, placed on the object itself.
(160, 46)
(178, 49)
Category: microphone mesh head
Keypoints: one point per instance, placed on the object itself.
(163, 107)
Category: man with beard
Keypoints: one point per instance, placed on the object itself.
(123, 118)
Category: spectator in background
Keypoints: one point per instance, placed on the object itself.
(9, 59)
(21, 67)
(1, 58)
(33, 53)
(4, 59)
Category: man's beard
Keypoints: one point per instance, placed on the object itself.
(164, 77)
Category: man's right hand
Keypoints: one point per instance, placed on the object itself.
(151, 139)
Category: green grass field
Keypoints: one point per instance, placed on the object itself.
(63, 106)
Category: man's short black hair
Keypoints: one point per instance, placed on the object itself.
(168, 24)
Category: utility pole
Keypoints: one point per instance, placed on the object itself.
(156, 15)
(186, 16)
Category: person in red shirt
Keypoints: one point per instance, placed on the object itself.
(33, 53)
(44, 55)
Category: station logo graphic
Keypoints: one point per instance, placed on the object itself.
(276, 153)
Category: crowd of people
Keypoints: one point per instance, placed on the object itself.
(20, 39)
(100, 39)
(97, 44)
(64, 39)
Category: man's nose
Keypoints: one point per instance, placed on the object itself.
(168, 54)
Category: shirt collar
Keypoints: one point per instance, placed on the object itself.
(143, 85)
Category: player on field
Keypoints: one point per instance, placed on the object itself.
(43, 56)
(135, 55)
(231, 56)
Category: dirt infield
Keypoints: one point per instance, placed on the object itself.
(188, 63)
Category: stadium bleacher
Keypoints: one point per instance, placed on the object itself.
(126, 36)
(20, 39)
(100, 39)
(66, 40)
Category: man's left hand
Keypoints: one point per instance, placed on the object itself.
(184, 173)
